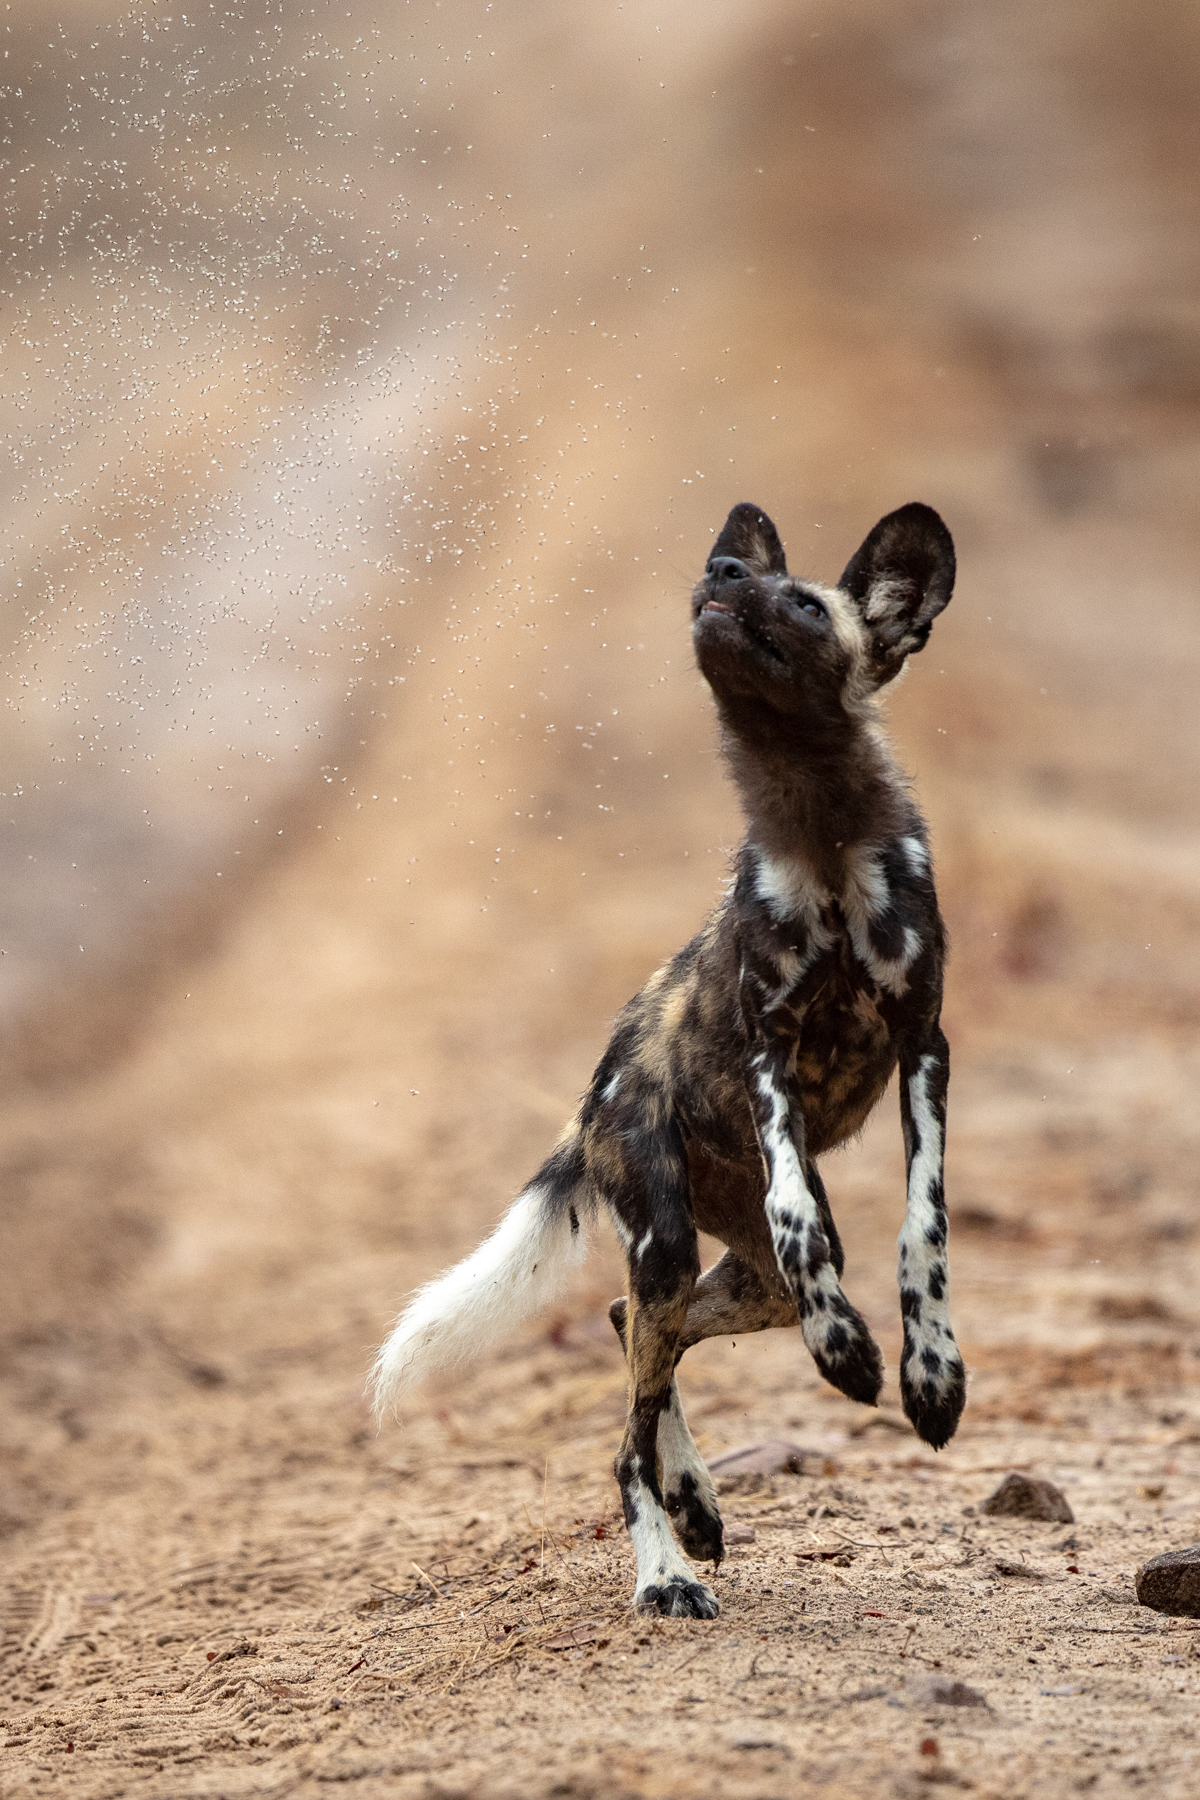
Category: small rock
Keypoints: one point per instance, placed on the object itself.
(772, 1457)
(1170, 1583)
(1003, 1567)
(243, 1648)
(949, 1693)
(739, 1534)
(206, 1375)
(1027, 1497)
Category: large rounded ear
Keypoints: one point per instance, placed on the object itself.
(749, 535)
(901, 578)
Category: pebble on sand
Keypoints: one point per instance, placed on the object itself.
(949, 1693)
(1028, 1497)
(1170, 1583)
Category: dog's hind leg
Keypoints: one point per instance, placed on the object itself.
(732, 1300)
(688, 1491)
(652, 1203)
(729, 1299)
(687, 1487)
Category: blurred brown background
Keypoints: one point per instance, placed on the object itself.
(374, 385)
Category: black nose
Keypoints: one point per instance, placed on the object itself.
(728, 568)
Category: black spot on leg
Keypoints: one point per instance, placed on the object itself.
(816, 1188)
(850, 1359)
(934, 1406)
(790, 1261)
(858, 1373)
(931, 1361)
(910, 1305)
(698, 1528)
(937, 1281)
(817, 1252)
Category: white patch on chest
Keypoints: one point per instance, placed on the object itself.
(866, 897)
(789, 888)
(792, 894)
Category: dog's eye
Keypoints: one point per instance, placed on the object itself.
(812, 607)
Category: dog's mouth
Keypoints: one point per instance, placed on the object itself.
(754, 633)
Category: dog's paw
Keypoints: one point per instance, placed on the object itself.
(695, 1519)
(677, 1598)
(933, 1386)
(843, 1349)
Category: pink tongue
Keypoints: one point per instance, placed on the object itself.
(715, 606)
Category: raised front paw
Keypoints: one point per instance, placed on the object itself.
(677, 1598)
(842, 1347)
(933, 1386)
(695, 1518)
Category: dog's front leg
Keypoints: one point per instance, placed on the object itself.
(932, 1377)
(836, 1335)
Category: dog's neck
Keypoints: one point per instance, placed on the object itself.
(815, 797)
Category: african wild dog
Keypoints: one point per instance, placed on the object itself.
(763, 1044)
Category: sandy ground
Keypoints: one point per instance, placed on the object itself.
(280, 1108)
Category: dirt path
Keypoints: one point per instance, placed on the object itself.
(219, 1581)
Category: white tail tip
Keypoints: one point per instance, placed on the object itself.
(513, 1273)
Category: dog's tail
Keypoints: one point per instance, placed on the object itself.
(514, 1272)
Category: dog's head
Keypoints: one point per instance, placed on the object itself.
(816, 654)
